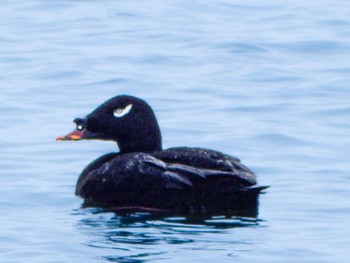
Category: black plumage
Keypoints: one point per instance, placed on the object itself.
(142, 176)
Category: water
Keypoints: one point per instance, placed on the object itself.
(267, 82)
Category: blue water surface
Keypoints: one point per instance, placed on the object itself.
(267, 81)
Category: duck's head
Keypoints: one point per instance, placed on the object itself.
(127, 120)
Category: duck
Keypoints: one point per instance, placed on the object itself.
(143, 176)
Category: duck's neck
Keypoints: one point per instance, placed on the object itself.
(146, 143)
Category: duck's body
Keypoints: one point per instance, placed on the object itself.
(143, 176)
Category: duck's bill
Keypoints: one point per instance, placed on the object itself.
(82, 134)
(73, 136)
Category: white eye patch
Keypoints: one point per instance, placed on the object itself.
(120, 112)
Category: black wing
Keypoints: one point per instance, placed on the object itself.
(211, 163)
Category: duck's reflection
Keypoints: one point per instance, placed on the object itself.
(130, 236)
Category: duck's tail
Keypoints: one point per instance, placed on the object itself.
(255, 189)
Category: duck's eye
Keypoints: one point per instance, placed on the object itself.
(120, 112)
(80, 127)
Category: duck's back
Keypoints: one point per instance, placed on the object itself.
(210, 162)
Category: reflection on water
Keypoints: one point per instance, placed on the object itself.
(141, 236)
